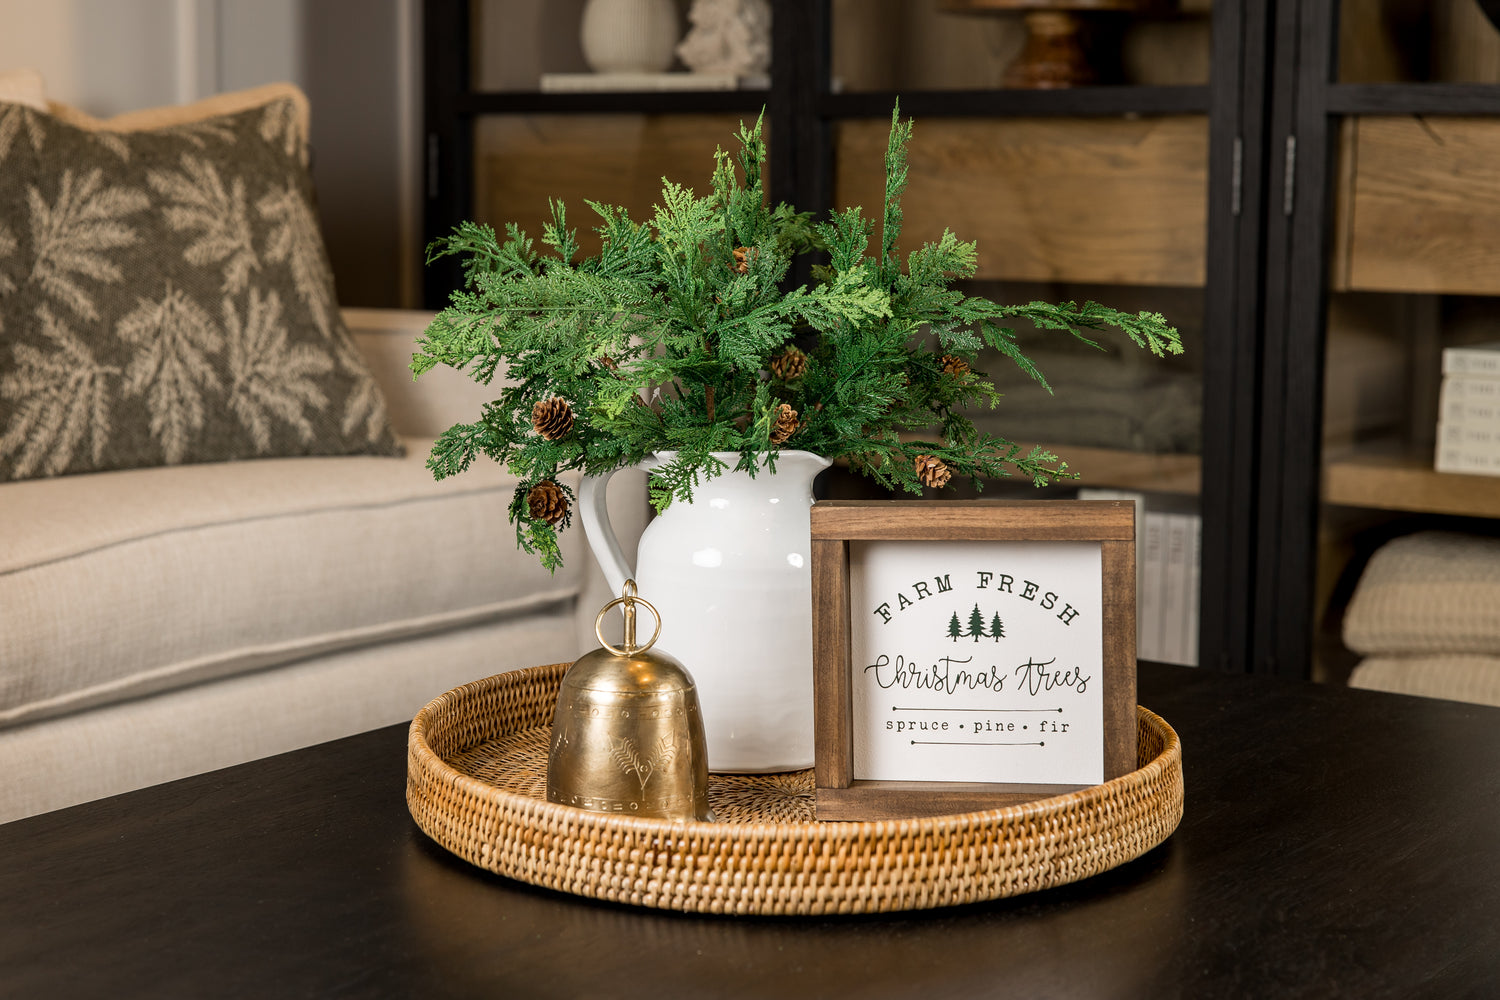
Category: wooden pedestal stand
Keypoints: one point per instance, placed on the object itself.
(1056, 53)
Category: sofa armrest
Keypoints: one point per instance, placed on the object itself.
(423, 407)
(442, 397)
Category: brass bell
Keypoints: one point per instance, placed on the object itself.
(627, 734)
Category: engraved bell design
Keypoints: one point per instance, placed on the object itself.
(627, 734)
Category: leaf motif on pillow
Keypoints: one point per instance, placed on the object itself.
(169, 366)
(364, 405)
(278, 126)
(12, 117)
(63, 395)
(200, 132)
(201, 203)
(269, 377)
(68, 235)
(7, 247)
(113, 142)
(297, 241)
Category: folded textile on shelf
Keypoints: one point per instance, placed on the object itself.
(1471, 678)
(1433, 592)
(1110, 403)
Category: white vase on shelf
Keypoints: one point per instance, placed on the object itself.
(629, 36)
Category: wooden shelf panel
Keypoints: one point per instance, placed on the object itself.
(1408, 483)
(1110, 100)
(523, 160)
(1110, 468)
(1418, 207)
(1106, 201)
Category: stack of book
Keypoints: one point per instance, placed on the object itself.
(1468, 430)
(1167, 547)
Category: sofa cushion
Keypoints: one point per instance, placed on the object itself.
(1429, 592)
(126, 583)
(165, 295)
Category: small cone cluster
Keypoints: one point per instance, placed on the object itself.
(786, 424)
(933, 471)
(742, 258)
(547, 502)
(552, 418)
(789, 365)
(954, 366)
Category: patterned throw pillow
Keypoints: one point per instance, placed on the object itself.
(165, 296)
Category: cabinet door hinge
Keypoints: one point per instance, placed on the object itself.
(1237, 176)
(1289, 192)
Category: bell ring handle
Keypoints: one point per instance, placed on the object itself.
(629, 599)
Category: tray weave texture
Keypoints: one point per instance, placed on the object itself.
(476, 771)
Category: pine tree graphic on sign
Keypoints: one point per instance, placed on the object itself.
(954, 628)
(976, 624)
(997, 628)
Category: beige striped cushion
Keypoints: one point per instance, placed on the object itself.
(1457, 678)
(1431, 592)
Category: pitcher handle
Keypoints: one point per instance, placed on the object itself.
(593, 508)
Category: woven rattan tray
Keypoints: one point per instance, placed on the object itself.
(476, 767)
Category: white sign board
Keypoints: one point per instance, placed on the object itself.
(977, 661)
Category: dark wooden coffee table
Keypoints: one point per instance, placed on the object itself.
(1335, 843)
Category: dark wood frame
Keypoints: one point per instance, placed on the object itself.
(836, 523)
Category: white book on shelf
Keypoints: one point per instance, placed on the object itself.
(1479, 438)
(1470, 389)
(1195, 582)
(1477, 359)
(605, 83)
(1469, 461)
(1472, 401)
(1174, 587)
(1153, 559)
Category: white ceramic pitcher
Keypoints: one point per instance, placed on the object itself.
(731, 575)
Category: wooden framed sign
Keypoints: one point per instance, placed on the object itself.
(970, 654)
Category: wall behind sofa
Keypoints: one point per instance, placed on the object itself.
(356, 59)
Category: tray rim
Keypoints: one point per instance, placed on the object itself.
(425, 762)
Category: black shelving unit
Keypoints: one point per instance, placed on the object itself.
(801, 104)
(1301, 148)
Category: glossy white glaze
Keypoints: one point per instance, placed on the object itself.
(731, 575)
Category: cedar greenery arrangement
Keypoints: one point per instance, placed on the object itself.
(680, 336)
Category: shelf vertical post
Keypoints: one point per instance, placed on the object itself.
(448, 139)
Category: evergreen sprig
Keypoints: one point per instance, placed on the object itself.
(667, 341)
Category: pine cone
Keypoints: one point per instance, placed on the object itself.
(786, 424)
(789, 365)
(552, 418)
(547, 502)
(742, 258)
(933, 471)
(954, 366)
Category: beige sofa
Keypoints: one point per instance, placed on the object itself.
(156, 623)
